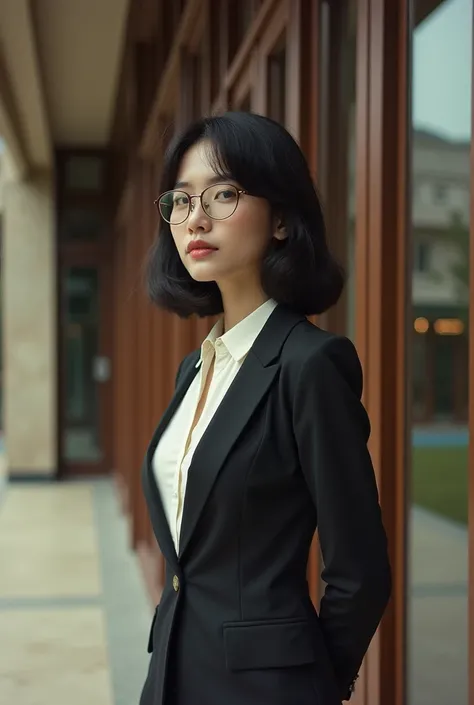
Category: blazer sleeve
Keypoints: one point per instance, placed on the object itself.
(332, 429)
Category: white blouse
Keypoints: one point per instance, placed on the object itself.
(175, 450)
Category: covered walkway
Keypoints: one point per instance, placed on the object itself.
(74, 616)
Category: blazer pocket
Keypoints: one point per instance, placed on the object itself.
(268, 644)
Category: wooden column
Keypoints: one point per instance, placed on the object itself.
(119, 371)
(128, 322)
(381, 295)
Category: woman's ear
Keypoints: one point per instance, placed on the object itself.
(280, 232)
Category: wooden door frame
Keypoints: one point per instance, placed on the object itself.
(383, 282)
(91, 253)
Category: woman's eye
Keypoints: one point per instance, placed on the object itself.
(225, 194)
(180, 201)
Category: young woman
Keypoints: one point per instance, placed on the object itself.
(265, 438)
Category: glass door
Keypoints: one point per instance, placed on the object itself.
(86, 372)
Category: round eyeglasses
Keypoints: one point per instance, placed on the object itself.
(218, 202)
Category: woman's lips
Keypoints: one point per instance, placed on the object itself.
(201, 252)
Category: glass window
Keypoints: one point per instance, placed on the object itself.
(78, 223)
(438, 551)
(440, 193)
(422, 256)
(84, 173)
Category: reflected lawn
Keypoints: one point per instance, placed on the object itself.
(440, 481)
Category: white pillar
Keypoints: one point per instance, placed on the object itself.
(29, 327)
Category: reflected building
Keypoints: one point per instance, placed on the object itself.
(440, 286)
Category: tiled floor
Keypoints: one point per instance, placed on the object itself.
(51, 532)
(74, 616)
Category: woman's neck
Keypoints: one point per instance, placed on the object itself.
(236, 309)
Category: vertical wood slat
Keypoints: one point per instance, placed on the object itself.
(157, 371)
(151, 559)
(309, 120)
(381, 305)
(294, 68)
(144, 351)
(224, 49)
(309, 80)
(144, 76)
(119, 371)
(361, 224)
(107, 411)
(336, 157)
(129, 322)
(137, 356)
(206, 69)
(303, 82)
(471, 414)
(361, 185)
(128, 317)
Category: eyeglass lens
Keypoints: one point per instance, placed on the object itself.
(219, 202)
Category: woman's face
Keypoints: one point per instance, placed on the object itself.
(237, 243)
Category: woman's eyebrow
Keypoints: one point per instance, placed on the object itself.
(217, 179)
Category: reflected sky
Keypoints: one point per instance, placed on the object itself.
(442, 71)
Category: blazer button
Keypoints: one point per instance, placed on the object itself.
(175, 583)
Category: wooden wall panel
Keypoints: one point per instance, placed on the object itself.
(143, 205)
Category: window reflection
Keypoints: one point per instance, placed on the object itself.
(438, 616)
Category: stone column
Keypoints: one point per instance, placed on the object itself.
(29, 327)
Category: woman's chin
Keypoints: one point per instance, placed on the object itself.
(199, 274)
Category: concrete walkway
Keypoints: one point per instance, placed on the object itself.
(74, 617)
(438, 613)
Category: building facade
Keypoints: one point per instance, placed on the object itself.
(378, 94)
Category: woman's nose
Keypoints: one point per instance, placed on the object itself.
(197, 219)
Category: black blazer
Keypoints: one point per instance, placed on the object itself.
(286, 452)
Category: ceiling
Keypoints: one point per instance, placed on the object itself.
(59, 69)
(79, 47)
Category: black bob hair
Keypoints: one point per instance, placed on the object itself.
(262, 157)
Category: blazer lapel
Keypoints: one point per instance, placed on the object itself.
(157, 514)
(244, 395)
